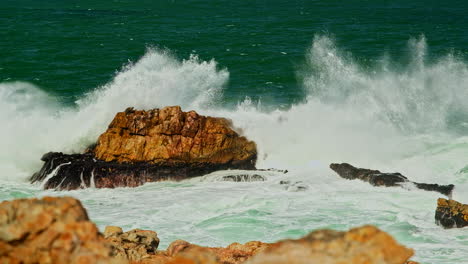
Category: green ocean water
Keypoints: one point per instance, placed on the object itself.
(378, 84)
(71, 47)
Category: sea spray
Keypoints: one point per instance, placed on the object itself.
(36, 123)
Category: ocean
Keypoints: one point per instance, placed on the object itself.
(378, 84)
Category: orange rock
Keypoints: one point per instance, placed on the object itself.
(50, 230)
(169, 135)
(450, 213)
(362, 245)
(133, 245)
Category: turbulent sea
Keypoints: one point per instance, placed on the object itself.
(378, 84)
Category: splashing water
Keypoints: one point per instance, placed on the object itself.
(410, 119)
(37, 124)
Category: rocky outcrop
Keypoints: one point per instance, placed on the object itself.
(50, 230)
(378, 178)
(450, 213)
(361, 245)
(148, 146)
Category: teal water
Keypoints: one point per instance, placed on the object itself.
(377, 84)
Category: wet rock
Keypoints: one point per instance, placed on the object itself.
(50, 230)
(133, 245)
(378, 178)
(294, 186)
(148, 146)
(362, 245)
(274, 170)
(243, 178)
(450, 213)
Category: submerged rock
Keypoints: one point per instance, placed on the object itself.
(450, 213)
(50, 230)
(378, 178)
(294, 186)
(148, 146)
(243, 178)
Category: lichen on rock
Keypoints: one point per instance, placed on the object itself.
(450, 213)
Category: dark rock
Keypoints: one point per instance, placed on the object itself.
(75, 171)
(243, 178)
(378, 178)
(450, 213)
(274, 170)
(294, 186)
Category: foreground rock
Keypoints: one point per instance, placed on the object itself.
(148, 146)
(378, 178)
(450, 213)
(133, 245)
(50, 230)
(361, 245)
(57, 230)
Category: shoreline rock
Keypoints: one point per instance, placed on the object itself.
(451, 214)
(58, 230)
(377, 178)
(148, 146)
(50, 230)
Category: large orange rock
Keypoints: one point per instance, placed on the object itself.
(363, 245)
(168, 135)
(149, 146)
(50, 230)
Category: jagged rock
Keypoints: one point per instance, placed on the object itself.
(361, 245)
(450, 213)
(135, 244)
(50, 230)
(378, 178)
(148, 146)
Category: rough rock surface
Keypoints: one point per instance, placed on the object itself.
(378, 178)
(50, 230)
(450, 213)
(361, 245)
(135, 244)
(148, 146)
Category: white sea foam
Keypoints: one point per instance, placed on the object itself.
(36, 123)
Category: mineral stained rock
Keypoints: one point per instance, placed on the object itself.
(450, 213)
(378, 178)
(50, 230)
(148, 146)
